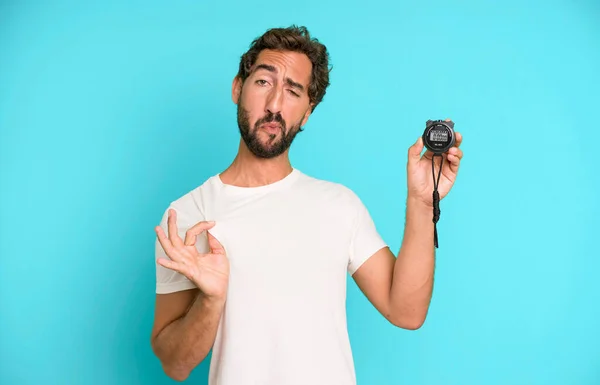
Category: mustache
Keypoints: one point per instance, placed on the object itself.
(270, 118)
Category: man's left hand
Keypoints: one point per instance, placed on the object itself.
(420, 178)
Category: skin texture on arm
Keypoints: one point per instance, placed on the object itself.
(184, 331)
(401, 288)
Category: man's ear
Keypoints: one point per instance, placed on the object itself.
(307, 115)
(236, 89)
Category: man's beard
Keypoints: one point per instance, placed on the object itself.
(271, 148)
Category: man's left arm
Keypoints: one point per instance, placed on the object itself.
(401, 287)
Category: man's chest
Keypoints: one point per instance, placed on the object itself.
(271, 236)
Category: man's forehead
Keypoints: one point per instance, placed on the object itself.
(294, 64)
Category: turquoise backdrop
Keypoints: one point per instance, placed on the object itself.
(110, 110)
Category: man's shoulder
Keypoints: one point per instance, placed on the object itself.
(191, 203)
(331, 189)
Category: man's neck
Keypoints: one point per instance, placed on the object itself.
(247, 170)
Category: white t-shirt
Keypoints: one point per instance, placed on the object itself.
(290, 246)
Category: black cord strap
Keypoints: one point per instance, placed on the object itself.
(436, 196)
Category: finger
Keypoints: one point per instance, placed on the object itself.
(197, 229)
(165, 243)
(454, 163)
(173, 231)
(414, 151)
(172, 265)
(215, 245)
(459, 138)
(456, 151)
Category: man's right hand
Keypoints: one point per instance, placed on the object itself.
(209, 272)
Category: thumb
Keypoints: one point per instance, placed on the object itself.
(414, 151)
(215, 245)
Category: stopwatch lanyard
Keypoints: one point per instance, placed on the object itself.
(436, 196)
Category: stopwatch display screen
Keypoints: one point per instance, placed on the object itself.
(438, 136)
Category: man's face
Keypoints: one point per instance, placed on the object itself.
(273, 103)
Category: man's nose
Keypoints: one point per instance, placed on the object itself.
(275, 101)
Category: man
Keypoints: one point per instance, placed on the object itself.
(252, 264)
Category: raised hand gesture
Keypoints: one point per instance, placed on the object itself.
(209, 272)
(419, 172)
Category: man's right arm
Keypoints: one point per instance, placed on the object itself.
(185, 327)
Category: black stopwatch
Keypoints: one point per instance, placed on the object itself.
(439, 136)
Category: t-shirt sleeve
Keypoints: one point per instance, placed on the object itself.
(167, 280)
(365, 240)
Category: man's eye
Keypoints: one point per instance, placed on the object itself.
(293, 93)
(261, 82)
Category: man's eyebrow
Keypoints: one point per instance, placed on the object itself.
(294, 84)
(271, 68)
(267, 67)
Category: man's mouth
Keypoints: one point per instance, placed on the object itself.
(272, 128)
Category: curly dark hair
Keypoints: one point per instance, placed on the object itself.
(296, 39)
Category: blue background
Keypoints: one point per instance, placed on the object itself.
(110, 110)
